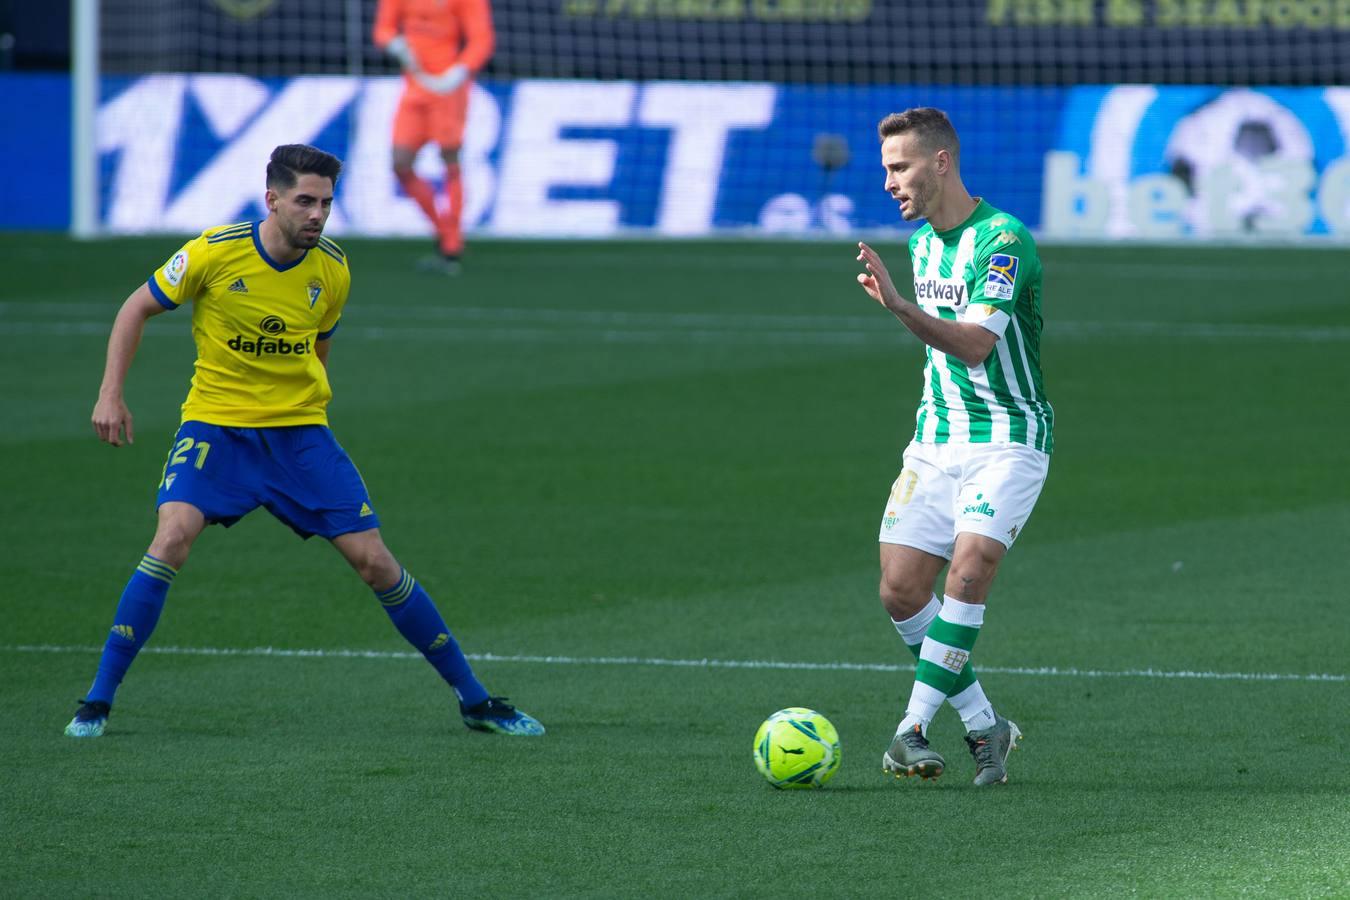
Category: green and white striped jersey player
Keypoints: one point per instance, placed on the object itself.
(985, 270)
(982, 439)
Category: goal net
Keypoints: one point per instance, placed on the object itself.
(1089, 119)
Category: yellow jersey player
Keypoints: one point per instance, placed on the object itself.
(266, 299)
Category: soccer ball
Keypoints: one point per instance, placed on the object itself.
(797, 748)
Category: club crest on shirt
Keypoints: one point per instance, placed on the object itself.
(1002, 277)
(313, 289)
(176, 268)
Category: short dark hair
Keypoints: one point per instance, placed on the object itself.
(289, 161)
(932, 127)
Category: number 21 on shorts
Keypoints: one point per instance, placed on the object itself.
(181, 452)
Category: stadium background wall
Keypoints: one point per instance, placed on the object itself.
(179, 152)
(1006, 42)
(1148, 119)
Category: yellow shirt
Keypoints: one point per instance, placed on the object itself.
(255, 322)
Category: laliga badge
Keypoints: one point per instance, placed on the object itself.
(176, 268)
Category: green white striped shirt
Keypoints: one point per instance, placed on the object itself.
(985, 270)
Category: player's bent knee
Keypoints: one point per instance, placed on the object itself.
(175, 534)
(978, 556)
(977, 566)
(366, 553)
(969, 579)
(375, 574)
(378, 568)
(903, 597)
(172, 546)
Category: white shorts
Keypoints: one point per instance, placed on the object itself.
(945, 489)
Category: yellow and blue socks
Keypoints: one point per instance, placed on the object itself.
(137, 613)
(417, 619)
(943, 655)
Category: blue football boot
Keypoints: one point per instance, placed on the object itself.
(495, 714)
(89, 720)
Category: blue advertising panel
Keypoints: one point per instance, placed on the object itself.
(1139, 161)
(35, 151)
(180, 152)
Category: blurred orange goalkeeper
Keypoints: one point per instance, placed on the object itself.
(441, 45)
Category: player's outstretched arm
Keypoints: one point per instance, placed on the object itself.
(111, 417)
(967, 341)
(387, 34)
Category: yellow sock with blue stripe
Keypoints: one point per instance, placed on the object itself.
(137, 613)
(417, 619)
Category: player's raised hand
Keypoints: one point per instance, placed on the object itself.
(111, 419)
(876, 281)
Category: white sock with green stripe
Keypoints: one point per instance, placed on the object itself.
(968, 699)
(944, 653)
(974, 708)
(913, 629)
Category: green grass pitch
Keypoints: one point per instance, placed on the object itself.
(629, 471)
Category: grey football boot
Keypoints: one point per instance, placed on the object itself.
(990, 747)
(911, 755)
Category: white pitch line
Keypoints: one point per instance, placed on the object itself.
(1043, 671)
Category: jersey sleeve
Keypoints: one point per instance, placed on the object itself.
(329, 323)
(386, 22)
(1005, 267)
(180, 279)
(479, 38)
